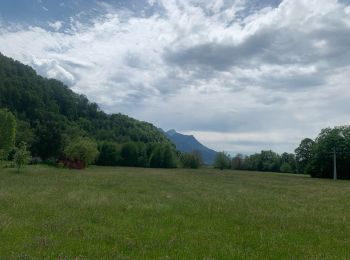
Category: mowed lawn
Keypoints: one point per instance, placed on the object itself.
(132, 213)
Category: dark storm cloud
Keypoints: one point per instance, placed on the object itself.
(221, 56)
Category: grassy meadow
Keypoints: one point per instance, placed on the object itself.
(131, 213)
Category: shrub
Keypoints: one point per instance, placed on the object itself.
(83, 149)
(191, 160)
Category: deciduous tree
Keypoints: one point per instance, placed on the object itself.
(83, 149)
(22, 156)
(7, 132)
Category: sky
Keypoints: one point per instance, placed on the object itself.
(241, 76)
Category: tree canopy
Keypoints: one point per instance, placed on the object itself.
(7, 132)
(50, 115)
(82, 149)
(316, 157)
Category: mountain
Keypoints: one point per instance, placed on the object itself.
(50, 115)
(188, 143)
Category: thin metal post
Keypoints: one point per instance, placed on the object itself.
(334, 164)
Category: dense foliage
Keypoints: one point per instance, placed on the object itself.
(222, 161)
(316, 157)
(303, 154)
(50, 117)
(191, 160)
(7, 132)
(265, 161)
(82, 149)
(313, 157)
(137, 154)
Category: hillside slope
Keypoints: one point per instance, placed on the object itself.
(188, 143)
(49, 112)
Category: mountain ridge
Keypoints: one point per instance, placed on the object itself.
(188, 144)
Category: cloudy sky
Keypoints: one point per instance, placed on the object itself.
(241, 75)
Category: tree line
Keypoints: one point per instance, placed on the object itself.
(52, 122)
(312, 157)
(83, 151)
(315, 157)
(265, 161)
(50, 117)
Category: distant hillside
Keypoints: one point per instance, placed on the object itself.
(188, 143)
(50, 114)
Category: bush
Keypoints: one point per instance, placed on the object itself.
(83, 149)
(191, 160)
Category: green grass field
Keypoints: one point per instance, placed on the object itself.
(131, 213)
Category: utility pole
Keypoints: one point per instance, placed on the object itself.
(334, 164)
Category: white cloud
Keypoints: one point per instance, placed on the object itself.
(56, 25)
(240, 80)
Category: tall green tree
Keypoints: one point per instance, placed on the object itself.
(288, 163)
(269, 161)
(7, 132)
(129, 154)
(329, 140)
(237, 162)
(169, 160)
(109, 154)
(303, 154)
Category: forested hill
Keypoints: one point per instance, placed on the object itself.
(49, 114)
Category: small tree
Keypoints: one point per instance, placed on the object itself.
(191, 160)
(237, 162)
(222, 161)
(83, 149)
(22, 156)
